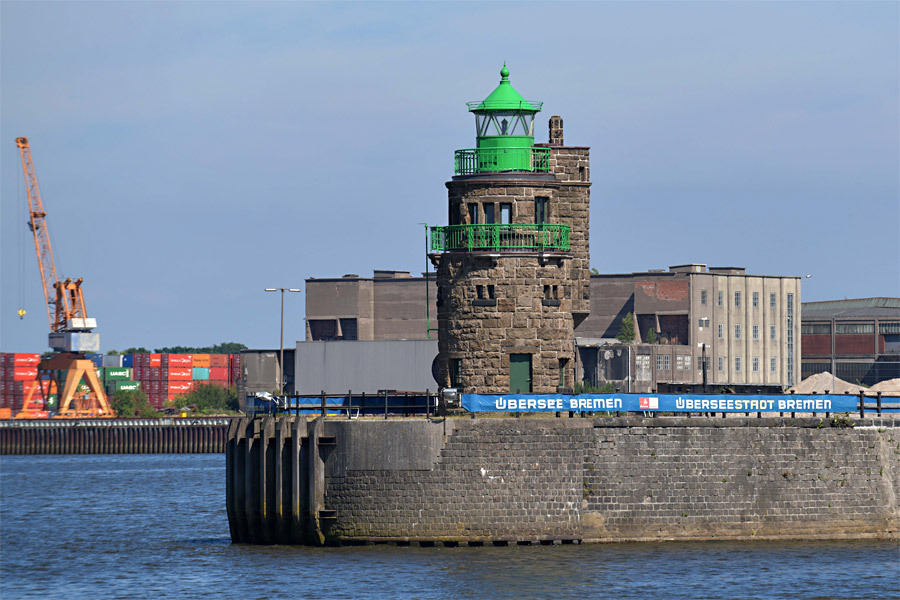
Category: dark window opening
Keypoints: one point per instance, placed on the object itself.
(540, 210)
(489, 213)
(479, 291)
(322, 330)
(348, 329)
(563, 363)
(490, 291)
(455, 368)
(505, 213)
(473, 214)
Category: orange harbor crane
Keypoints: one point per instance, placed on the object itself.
(71, 330)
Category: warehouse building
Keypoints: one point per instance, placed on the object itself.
(741, 331)
(856, 340)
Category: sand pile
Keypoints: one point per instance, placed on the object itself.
(818, 383)
(891, 387)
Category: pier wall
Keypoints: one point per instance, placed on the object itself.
(507, 481)
(114, 436)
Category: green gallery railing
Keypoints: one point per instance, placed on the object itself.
(496, 160)
(500, 238)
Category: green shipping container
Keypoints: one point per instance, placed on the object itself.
(117, 386)
(117, 374)
(201, 374)
(52, 402)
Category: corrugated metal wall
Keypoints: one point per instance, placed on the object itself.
(364, 366)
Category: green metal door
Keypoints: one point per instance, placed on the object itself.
(520, 373)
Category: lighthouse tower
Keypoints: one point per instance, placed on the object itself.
(513, 269)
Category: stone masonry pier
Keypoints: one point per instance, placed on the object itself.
(505, 481)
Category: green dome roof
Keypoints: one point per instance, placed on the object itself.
(504, 98)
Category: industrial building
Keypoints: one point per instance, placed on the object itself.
(740, 331)
(391, 305)
(855, 340)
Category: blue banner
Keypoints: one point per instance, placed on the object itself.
(660, 403)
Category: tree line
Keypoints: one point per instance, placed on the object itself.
(223, 348)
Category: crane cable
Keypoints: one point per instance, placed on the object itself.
(20, 256)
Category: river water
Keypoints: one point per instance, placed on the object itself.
(154, 526)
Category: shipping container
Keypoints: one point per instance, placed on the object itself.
(24, 360)
(218, 382)
(177, 360)
(116, 374)
(112, 361)
(179, 387)
(155, 373)
(177, 374)
(200, 373)
(118, 386)
(218, 360)
(218, 373)
(128, 360)
(154, 360)
(22, 373)
(201, 361)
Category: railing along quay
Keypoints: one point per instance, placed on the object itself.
(114, 436)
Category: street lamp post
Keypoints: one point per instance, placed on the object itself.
(281, 352)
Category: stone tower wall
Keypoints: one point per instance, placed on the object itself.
(483, 332)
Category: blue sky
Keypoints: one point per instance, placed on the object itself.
(190, 154)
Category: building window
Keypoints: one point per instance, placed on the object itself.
(721, 363)
(772, 331)
(720, 298)
(321, 330)
(679, 363)
(721, 331)
(687, 363)
(737, 331)
(737, 364)
(773, 364)
(505, 213)
(755, 299)
(737, 299)
(490, 292)
(667, 362)
(479, 291)
(704, 322)
(348, 330)
(562, 371)
(489, 213)
(756, 332)
(473, 214)
(455, 368)
(756, 364)
(659, 362)
(772, 300)
(703, 297)
(540, 210)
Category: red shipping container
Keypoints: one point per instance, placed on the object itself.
(178, 374)
(154, 373)
(178, 360)
(180, 387)
(218, 360)
(26, 360)
(220, 373)
(218, 382)
(154, 360)
(154, 387)
(24, 373)
(235, 361)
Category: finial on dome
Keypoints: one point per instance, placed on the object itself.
(504, 72)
